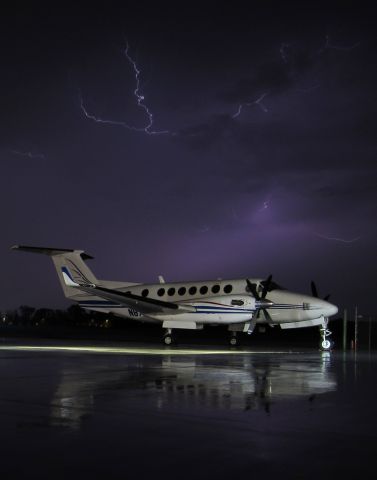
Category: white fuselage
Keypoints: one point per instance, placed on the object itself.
(216, 302)
(238, 303)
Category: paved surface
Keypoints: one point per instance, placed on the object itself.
(70, 410)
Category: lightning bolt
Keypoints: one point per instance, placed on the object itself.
(258, 102)
(105, 121)
(283, 51)
(286, 51)
(330, 46)
(140, 100)
(337, 239)
(265, 206)
(28, 154)
(308, 89)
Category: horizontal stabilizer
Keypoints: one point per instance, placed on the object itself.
(51, 251)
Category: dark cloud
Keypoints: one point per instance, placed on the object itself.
(222, 193)
(269, 77)
(202, 136)
(287, 68)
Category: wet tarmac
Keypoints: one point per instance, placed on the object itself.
(70, 410)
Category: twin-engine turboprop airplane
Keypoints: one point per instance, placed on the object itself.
(240, 304)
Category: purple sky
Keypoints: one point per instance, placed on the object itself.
(267, 163)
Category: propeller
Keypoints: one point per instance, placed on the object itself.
(263, 301)
(315, 291)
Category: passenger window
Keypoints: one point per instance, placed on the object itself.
(192, 290)
(237, 302)
(216, 289)
(171, 291)
(203, 290)
(161, 292)
(182, 291)
(145, 292)
(228, 288)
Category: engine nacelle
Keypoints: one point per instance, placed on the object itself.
(238, 302)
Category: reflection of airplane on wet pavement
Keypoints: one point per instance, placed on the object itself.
(240, 303)
(242, 383)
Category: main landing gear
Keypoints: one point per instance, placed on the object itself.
(325, 344)
(168, 337)
(233, 340)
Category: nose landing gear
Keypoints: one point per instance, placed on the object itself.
(325, 344)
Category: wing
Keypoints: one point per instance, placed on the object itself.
(146, 306)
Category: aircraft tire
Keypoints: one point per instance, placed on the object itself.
(168, 339)
(233, 341)
(326, 345)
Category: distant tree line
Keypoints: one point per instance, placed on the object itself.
(27, 316)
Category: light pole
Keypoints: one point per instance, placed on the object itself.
(345, 330)
(357, 316)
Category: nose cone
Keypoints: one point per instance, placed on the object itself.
(330, 309)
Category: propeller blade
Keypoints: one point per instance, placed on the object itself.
(253, 289)
(314, 289)
(267, 316)
(266, 286)
(315, 292)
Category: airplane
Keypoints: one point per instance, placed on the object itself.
(240, 303)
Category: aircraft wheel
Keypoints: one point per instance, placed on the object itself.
(325, 345)
(233, 341)
(168, 339)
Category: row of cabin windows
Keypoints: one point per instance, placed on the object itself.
(192, 290)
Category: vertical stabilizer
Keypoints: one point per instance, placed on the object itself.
(70, 266)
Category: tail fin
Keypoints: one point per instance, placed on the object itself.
(70, 267)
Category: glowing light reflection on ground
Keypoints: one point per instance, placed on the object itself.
(133, 350)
